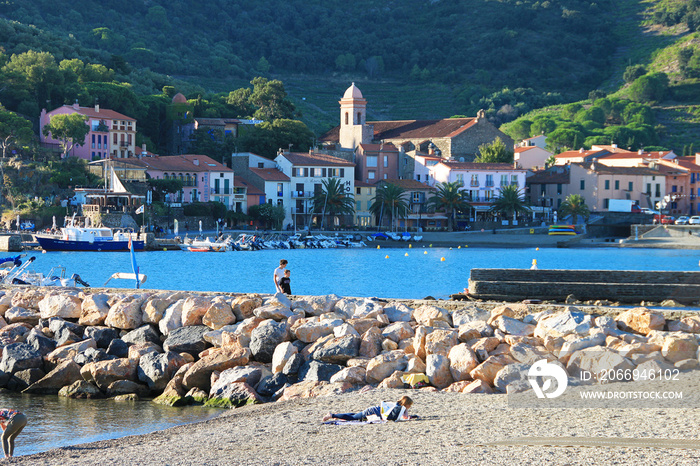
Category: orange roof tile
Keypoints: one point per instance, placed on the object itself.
(270, 174)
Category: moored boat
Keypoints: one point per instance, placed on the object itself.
(72, 238)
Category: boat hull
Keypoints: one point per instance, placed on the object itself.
(57, 244)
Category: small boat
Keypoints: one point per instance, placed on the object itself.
(562, 230)
(73, 238)
(19, 275)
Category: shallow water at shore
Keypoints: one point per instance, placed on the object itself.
(55, 422)
(406, 273)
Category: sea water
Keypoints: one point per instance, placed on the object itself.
(390, 273)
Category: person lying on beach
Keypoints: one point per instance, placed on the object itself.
(397, 412)
(12, 423)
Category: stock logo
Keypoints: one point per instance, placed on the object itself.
(548, 372)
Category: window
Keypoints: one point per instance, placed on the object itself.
(347, 118)
(617, 184)
(607, 184)
(630, 186)
(417, 177)
(658, 190)
(489, 180)
(93, 142)
(370, 174)
(386, 161)
(342, 172)
(371, 160)
(280, 189)
(648, 191)
(514, 180)
(474, 180)
(674, 188)
(460, 178)
(559, 188)
(369, 205)
(262, 165)
(488, 195)
(417, 197)
(543, 189)
(606, 203)
(504, 180)
(583, 185)
(280, 202)
(306, 171)
(323, 172)
(358, 191)
(358, 205)
(386, 176)
(359, 118)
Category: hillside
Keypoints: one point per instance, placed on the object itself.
(453, 54)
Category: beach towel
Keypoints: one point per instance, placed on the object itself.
(338, 422)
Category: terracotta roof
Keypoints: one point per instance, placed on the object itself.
(270, 174)
(609, 148)
(523, 149)
(411, 129)
(251, 188)
(389, 147)
(103, 113)
(316, 159)
(549, 177)
(408, 184)
(184, 163)
(585, 153)
(477, 166)
(689, 163)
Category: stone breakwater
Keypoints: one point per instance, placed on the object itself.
(232, 350)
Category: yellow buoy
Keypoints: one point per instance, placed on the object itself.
(406, 254)
(466, 245)
(450, 249)
(459, 247)
(379, 247)
(537, 249)
(442, 259)
(426, 252)
(386, 257)
(410, 246)
(165, 249)
(430, 246)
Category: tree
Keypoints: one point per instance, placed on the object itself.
(649, 88)
(270, 216)
(162, 188)
(510, 202)
(264, 139)
(389, 201)
(271, 100)
(633, 72)
(495, 152)
(14, 130)
(574, 205)
(551, 161)
(69, 129)
(450, 198)
(333, 199)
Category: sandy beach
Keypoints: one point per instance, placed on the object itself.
(452, 429)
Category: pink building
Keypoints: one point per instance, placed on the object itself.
(111, 135)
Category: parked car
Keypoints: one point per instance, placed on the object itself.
(694, 220)
(646, 210)
(664, 219)
(682, 220)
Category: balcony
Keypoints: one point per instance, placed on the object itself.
(302, 194)
(222, 191)
(474, 184)
(489, 183)
(123, 144)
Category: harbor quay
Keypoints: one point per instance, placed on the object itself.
(307, 354)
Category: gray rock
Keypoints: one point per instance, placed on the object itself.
(248, 374)
(398, 312)
(265, 338)
(271, 384)
(92, 355)
(233, 395)
(57, 324)
(464, 316)
(43, 344)
(118, 348)
(142, 335)
(64, 374)
(156, 369)
(126, 387)
(29, 376)
(187, 340)
(66, 337)
(510, 374)
(318, 371)
(338, 350)
(103, 336)
(20, 356)
(81, 389)
(293, 365)
(14, 333)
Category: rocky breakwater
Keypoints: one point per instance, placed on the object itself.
(224, 350)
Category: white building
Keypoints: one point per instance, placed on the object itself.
(306, 172)
(531, 156)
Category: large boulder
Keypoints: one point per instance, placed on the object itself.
(469, 315)
(398, 312)
(94, 309)
(564, 323)
(199, 374)
(154, 308)
(382, 366)
(233, 395)
(193, 309)
(398, 331)
(472, 330)
(273, 311)
(243, 306)
(60, 305)
(571, 346)
(317, 305)
(17, 314)
(14, 333)
(127, 387)
(219, 314)
(487, 370)
(432, 316)
(338, 350)
(352, 375)
(40, 342)
(92, 355)
(440, 341)
(81, 389)
(281, 355)
(510, 374)
(462, 361)
(513, 326)
(265, 338)
(156, 369)
(251, 375)
(64, 374)
(270, 385)
(640, 320)
(172, 318)
(310, 331)
(371, 343)
(678, 347)
(126, 313)
(103, 336)
(70, 351)
(596, 360)
(318, 371)
(28, 299)
(20, 356)
(104, 373)
(437, 368)
(142, 335)
(187, 340)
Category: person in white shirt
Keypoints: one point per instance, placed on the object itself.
(279, 273)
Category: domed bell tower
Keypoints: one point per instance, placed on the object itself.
(353, 117)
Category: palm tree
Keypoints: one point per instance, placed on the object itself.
(510, 202)
(450, 198)
(574, 205)
(332, 199)
(550, 162)
(389, 201)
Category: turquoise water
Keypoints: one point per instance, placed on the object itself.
(350, 272)
(55, 422)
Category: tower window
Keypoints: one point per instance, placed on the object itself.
(359, 118)
(347, 118)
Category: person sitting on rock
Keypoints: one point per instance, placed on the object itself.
(397, 412)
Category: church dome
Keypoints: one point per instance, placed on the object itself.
(352, 92)
(179, 99)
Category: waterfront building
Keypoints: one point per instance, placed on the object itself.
(111, 134)
(306, 172)
(364, 196)
(420, 215)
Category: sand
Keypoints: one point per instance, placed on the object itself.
(452, 429)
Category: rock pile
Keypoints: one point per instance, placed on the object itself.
(222, 350)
